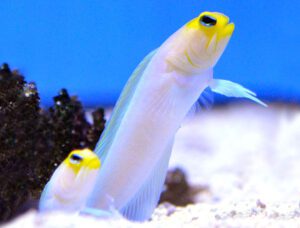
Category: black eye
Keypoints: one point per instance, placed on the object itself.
(208, 21)
(75, 158)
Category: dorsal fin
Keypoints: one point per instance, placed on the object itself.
(43, 199)
(142, 205)
(107, 137)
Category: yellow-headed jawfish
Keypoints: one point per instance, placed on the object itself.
(136, 145)
(71, 182)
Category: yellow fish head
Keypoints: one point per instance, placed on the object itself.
(82, 159)
(74, 178)
(201, 43)
(209, 34)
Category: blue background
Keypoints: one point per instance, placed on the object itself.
(91, 47)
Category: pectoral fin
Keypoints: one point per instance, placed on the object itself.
(100, 213)
(231, 89)
(204, 102)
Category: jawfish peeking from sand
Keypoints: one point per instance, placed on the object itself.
(71, 182)
(136, 145)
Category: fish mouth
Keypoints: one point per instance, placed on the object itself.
(94, 164)
(220, 39)
(228, 28)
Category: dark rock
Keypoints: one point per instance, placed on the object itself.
(177, 190)
(34, 141)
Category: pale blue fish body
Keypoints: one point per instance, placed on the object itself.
(149, 124)
(136, 146)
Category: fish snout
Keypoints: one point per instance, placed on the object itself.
(94, 163)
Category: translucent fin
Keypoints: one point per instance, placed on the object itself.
(107, 137)
(206, 99)
(142, 205)
(231, 89)
(95, 212)
(44, 198)
(204, 102)
(100, 213)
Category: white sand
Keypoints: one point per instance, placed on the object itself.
(248, 156)
(243, 153)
